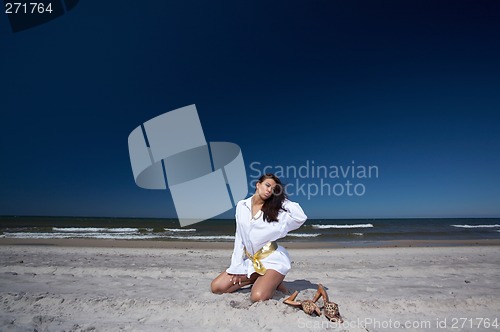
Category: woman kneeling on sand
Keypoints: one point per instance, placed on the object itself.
(257, 259)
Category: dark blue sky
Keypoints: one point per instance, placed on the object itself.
(412, 87)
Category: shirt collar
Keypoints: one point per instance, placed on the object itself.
(248, 202)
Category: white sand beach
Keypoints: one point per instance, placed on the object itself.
(67, 288)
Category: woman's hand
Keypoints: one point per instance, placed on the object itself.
(237, 278)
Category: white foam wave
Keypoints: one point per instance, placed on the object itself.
(358, 234)
(94, 230)
(476, 226)
(342, 226)
(303, 234)
(67, 235)
(125, 235)
(180, 229)
(201, 237)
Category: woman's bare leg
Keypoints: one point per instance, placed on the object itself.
(223, 283)
(282, 288)
(265, 286)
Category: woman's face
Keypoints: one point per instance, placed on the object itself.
(265, 188)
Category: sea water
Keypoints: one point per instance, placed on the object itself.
(355, 231)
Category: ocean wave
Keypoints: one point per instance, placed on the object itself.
(67, 235)
(358, 234)
(180, 229)
(342, 226)
(201, 237)
(476, 226)
(303, 234)
(94, 230)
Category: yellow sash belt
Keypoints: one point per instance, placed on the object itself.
(265, 251)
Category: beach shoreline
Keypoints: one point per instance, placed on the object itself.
(112, 243)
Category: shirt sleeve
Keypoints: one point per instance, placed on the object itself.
(292, 217)
(237, 259)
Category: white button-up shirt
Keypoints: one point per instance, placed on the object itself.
(253, 234)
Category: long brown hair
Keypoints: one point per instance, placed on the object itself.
(273, 204)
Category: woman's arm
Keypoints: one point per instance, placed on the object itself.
(292, 217)
(237, 265)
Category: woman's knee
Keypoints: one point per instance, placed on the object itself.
(260, 295)
(215, 287)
